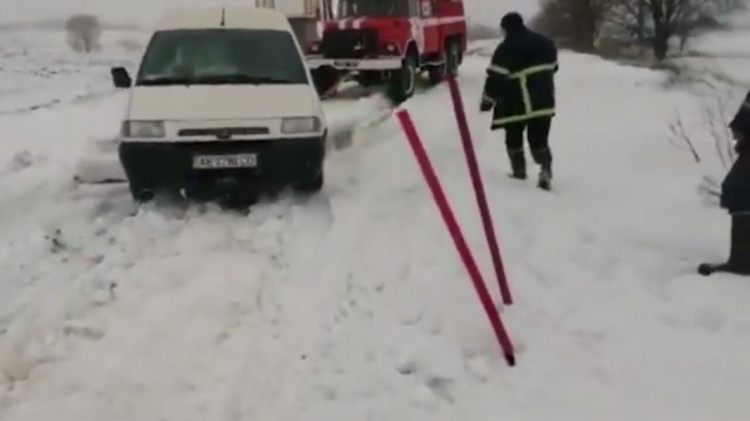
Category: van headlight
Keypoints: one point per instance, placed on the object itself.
(135, 128)
(300, 125)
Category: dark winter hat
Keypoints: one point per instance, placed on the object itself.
(512, 22)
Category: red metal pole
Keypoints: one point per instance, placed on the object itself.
(476, 180)
(455, 231)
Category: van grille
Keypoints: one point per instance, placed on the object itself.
(219, 148)
(342, 43)
(223, 132)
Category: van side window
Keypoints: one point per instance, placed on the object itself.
(357, 8)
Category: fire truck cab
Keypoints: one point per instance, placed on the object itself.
(389, 41)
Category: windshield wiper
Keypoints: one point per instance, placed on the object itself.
(239, 79)
(161, 81)
(213, 80)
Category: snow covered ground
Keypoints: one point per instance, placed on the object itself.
(38, 69)
(353, 304)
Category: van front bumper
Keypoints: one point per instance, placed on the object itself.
(154, 165)
(385, 63)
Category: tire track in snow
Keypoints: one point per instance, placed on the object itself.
(290, 294)
(58, 102)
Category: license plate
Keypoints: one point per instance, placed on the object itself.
(346, 64)
(225, 161)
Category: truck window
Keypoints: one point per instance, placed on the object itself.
(221, 56)
(427, 8)
(358, 8)
(414, 5)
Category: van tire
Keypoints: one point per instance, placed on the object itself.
(311, 185)
(141, 194)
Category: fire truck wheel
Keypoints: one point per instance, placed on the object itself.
(437, 73)
(404, 81)
(452, 58)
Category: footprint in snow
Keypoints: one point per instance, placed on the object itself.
(20, 161)
(710, 320)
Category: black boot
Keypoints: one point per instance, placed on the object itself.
(543, 158)
(739, 251)
(518, 164)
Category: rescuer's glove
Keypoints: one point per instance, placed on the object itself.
(486, 104)
(738, 136)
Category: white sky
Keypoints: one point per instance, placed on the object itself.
(147, 11)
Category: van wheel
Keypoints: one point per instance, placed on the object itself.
(404, 81)
(141, 194)
(312, 184)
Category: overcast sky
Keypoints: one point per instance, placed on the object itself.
(147, 11)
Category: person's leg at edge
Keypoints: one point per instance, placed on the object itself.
(538, 133)
(514, 146)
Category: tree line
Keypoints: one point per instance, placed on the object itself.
(580, 24)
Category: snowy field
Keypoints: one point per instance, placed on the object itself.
(353, 305)
(38, 69)
(724, 53)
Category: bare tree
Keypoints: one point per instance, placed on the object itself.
(680, 138)
(717, 111)
(672, 18)
(575, 24)
(83, 32)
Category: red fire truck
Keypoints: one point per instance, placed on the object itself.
(388, 41)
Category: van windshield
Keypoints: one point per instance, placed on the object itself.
(358, 8)
(221, 56)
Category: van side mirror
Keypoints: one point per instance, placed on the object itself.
(121, 78)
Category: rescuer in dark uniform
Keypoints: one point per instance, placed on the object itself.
(735, 198)
(520, 87)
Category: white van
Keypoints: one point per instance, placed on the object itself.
(222, 98)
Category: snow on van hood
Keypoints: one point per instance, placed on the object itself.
(201, 102)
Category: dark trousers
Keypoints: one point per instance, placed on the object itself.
(739, 252)
(537, 131)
